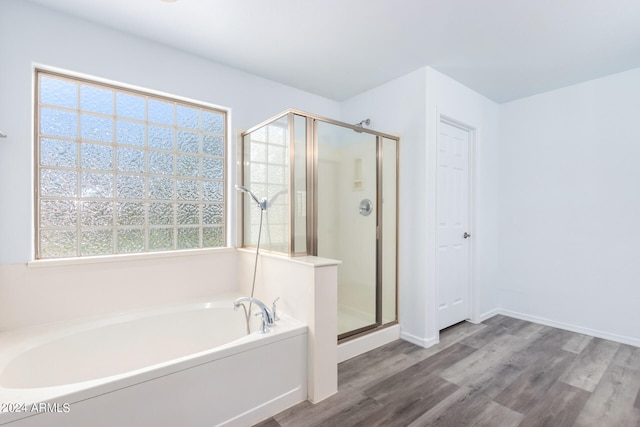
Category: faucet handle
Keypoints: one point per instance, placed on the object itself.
(274, 312)
(264, 325)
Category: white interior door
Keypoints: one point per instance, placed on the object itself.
(452, 233)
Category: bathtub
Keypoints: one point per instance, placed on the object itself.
(186, 365)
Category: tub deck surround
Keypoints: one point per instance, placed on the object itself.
(159, 366)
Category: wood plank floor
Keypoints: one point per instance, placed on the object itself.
(503, 372)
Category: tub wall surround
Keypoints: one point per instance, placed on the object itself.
(55, 292)
(307, 288)
(308, 291)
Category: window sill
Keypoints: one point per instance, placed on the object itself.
(58, 262)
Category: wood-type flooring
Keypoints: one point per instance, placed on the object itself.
(503, 372)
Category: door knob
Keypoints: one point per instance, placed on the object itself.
(466, 235)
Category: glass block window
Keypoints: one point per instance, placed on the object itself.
(121, 171)
(266, 173)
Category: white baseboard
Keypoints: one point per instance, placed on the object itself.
(569, 327)
(357, 346)
(422, 342)
(488, 315)
(268, 409)
(369, 342)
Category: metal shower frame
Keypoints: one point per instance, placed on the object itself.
(311, 147)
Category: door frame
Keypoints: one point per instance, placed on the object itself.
(471, 154)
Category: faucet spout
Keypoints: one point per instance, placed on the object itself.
(267, 317)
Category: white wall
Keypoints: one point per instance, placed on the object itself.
(399, 108)
(410, 107)
(33, 35)
(570, 207)
(560, 189)
(449, 98)
(557, 200)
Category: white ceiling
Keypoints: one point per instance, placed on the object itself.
(503, 49)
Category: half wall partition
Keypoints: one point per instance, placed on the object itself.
(331, 191)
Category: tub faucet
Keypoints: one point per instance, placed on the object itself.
(267, 317)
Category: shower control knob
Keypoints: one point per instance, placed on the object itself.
(366, 207)
(466, 235)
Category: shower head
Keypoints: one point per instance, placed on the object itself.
(262, 204)
(246, 190)
(362, 124)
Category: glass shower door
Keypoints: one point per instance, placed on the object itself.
(347, 220)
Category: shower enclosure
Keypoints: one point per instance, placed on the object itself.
(331, 191)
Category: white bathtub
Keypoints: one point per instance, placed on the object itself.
(174, 366)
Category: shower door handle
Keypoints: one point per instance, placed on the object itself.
(466, 235)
